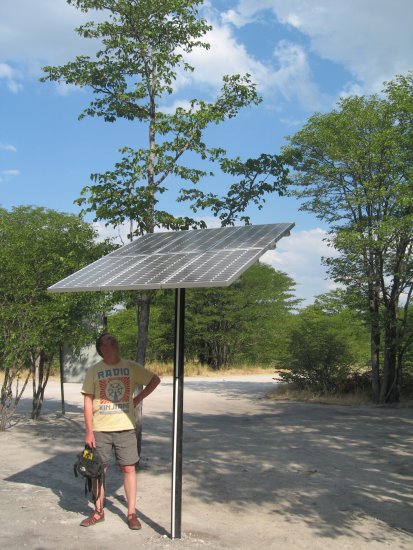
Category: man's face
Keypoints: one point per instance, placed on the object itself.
(109, 347)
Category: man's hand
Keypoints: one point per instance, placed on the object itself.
(155, 380)
(90, 440)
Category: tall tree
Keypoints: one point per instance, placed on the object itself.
(39, 247)
(353, 168)
(144, 44)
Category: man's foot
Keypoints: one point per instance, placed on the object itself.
(133, 522)
(96, 517)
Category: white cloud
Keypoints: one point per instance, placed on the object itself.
(7, 147)
(5, 175)
(246, 12)
(225, 56)
(119, 234)
(372, 39)
(171, 109)
(48, 26)
(292, 77)
(40, 30)
(34, 34)
(11, 76)
(299, 255)
(12, 172)
(288, 74)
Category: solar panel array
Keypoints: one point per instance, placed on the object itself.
(178, 259)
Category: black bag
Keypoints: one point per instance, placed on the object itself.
(90, 466)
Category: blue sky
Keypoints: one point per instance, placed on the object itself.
(303, 54)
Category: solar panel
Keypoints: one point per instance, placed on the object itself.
(178, 259)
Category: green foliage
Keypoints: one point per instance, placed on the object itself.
(40, 247)
(123, 325)
(263, 176)
(160, 347)
(323, 349)
(143, 47)
(244, 323)
(352, 325)
(353, 169)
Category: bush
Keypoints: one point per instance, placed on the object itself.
(318, 357)
(356, 382)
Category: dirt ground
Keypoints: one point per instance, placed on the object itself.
(257, 474)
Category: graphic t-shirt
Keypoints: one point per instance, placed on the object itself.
(112, 387)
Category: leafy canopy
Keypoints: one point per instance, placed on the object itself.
(143, 52)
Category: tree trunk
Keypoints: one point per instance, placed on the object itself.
(374, 343)
(8, 404)
(143, 306)
(41, 374)
(6, 399)
(143, 302)
(390, 384)
(399, 368)
(62, 378)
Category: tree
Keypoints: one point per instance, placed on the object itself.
(321, 349)
(243, 323)
(351, 322)
(353, 168)
(144, 44)
(40, 247)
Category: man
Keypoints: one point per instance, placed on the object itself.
(109, 410)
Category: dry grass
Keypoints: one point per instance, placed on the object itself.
(285, 392)
(192, 369)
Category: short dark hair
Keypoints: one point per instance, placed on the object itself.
(99, 340)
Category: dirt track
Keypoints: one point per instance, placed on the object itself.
(258, 474)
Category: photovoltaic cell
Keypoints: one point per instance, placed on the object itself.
(179, 259)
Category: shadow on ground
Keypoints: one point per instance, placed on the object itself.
(322, 465)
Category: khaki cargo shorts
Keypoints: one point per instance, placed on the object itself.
(124, 443)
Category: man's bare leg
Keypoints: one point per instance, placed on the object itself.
(100, 492)
(99, 495)
(129, 483)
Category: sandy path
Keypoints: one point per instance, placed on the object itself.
(258, 474)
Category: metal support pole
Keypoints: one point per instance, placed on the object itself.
(178, 410)
(62, 377)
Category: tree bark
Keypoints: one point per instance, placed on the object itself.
(390, 384)
(41, 374)
(8, 404)
(374, 345)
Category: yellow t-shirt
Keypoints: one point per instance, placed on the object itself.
(112, 387)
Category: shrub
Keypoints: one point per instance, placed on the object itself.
(318, 356)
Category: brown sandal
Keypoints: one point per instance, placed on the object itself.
(133, 522)
(91, 520)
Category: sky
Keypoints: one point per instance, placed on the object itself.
(304, 55)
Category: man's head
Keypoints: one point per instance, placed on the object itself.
(107, 346)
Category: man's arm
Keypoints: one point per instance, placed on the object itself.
(88, 413)
(147, 390)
